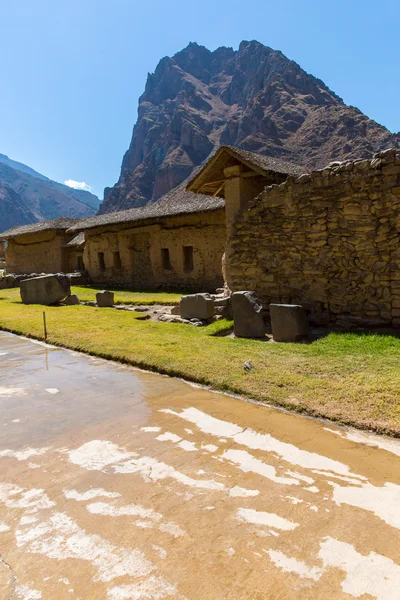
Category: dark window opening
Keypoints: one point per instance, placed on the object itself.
(188, 258)
(102, 264)
(117, 261)
(80, 265)
(165, 259)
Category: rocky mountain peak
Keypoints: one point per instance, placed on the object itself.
(255, 98)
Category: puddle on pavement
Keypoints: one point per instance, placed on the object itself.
(129, 485)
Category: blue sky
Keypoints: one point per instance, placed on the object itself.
(72, 70)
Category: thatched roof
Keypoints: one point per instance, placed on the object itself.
(209, 179)
(77, 240)
(176, 202)
(60, 224)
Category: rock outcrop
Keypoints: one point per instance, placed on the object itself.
(254, 98)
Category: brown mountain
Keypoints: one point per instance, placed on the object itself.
(254, 98)
(36, 199)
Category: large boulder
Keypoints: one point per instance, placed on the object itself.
(47, 289)
(247, 315)
(288, 322)
(197, 306)
(105, 299)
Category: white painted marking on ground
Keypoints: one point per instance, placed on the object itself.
(61, 538)
(14, 496)
(383, 501)
(171, 528)
(102, 508)
(374, 574)
(340, 477)
(304, 478)
(292, 565)
(209, 447)
(97, 454)
(362, 437)
(28, 520)
(150, 429)
(239, 492)
(188, 446)
(89, 494)
(150, 468)
(249, 515)
(248, 464)
(23, 454)
(16, 421)
(294, 500)
(25, 593)
(168, 437)
(52, 390)
(153, 588)
(261, 441)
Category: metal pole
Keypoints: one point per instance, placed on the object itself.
(44, 326)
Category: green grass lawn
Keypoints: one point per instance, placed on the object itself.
(86, 294)
(352, 378)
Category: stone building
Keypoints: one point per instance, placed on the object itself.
(176, 243)
(329, 239)
(40, 247)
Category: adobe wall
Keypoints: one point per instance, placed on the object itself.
(140, 253)
(41, 252)
(328, 240)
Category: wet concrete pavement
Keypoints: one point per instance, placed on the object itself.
(117, 484)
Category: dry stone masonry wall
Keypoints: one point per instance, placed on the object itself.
(328, 240)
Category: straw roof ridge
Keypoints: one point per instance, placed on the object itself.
(61, 223)
(176, 202)
(267, 163)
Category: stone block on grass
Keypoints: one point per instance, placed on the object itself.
(47, 289)
(197, 306)
(288, 322)
(105, 299)
(247, 315)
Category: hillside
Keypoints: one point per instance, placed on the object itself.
(13, 210)
(254, 98)
(35, 199)
(81, 195)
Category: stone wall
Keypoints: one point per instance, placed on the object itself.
(328, 240)
(41, 252)
(133, 256)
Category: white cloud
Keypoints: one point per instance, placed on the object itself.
(77, 185)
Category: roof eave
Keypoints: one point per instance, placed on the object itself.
(197, 182)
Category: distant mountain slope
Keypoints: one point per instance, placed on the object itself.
(38, 199)
(254, 98)
(81, 195)
(13, 210)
